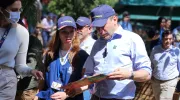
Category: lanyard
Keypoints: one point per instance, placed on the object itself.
(4, 35)
(64, 59)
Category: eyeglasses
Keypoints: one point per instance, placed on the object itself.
(81, 27)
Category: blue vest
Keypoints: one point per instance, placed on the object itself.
(58, 73)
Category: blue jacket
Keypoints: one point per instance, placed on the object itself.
(59, 73)
(56, 70)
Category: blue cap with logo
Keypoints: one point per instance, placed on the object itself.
(66, 21)
(83, 21)
(100, 15)
(51, 15)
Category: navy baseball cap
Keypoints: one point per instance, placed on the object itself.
(83, 21)
(66, 21)
(51, 15)
(100, 15)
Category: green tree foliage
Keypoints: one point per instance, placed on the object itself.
(31, 11)
(76, 8)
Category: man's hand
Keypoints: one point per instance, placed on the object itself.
(59, 96)
(73, 92)
(120, 74)
(37, 74)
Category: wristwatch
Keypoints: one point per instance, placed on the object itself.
(132, 75)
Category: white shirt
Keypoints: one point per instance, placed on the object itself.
(14, 49)
(87, 44)
(124, 50)
(47, 24)
(63, 56)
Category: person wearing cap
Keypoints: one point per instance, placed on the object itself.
(84, 30)
(66, 63)
(125, 23)
(119, 54)
(84, 33)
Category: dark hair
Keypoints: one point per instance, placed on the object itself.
(166, 32)
(151, 32)
(4, 4)
(159, 22)
(125, 13)
(168, 19)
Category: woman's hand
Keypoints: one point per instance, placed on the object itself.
(37, 74)
(59, 96)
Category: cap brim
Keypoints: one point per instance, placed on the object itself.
(99, 23)
(65, 26)
(80, 24)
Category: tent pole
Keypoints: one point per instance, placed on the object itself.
(170, 12)
(157, 13)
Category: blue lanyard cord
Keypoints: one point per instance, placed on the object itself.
(5, 35)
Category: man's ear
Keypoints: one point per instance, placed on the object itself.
(90, 28)
(115, 18)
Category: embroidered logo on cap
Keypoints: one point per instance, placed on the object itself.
(81, 20)
(66, 21)
(114, 47)
(98, 16)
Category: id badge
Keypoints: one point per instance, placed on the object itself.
(56, 86)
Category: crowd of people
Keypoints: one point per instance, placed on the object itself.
(63, 50)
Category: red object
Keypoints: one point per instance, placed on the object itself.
(24, 20)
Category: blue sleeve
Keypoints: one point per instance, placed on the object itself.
(152, 58)
(130, 27)
(49, 78)
(89, 66)
(178, 61)
(139, 55)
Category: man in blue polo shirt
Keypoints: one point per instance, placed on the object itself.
(165, 60)
(118, 53)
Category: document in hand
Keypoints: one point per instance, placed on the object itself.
(85, 81)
